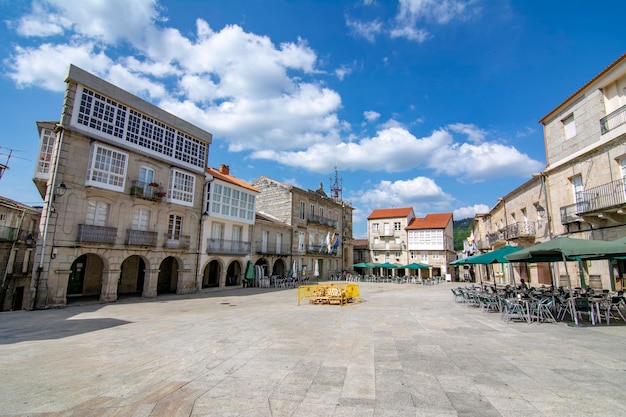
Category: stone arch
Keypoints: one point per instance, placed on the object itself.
(234, 273)
(279, 268)
(168, 275)
(132, 276)
(86, 277)
(211, 274)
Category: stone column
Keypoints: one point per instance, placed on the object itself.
(151, 279)
(110, 280)
(186, 282)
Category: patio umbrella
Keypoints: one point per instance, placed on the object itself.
(415, 265)
(387, 265)
(568, 249)
(249, 270)
(361, 265)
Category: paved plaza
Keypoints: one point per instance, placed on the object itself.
(405, 350)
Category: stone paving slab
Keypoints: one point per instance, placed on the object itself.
(406, 350)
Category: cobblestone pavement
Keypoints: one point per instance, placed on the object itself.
(405, 350)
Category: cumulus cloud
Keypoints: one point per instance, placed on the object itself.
(395, 149)
(254, 95)
(371, 116)
(470, 211)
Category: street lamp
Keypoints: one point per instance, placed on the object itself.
(59, 190)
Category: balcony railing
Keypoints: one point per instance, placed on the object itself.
(321, 248)
(270, 248)
(323, 221)
(236, 247)
(492, 238)
(141, 238)
(386, 246)
(604, 196)
(613, 120)
(568, 213)
(96, 234)
(519, 230)
(179, 242)
(147, 191)
(8, 233)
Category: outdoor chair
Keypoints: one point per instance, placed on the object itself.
(613, 305)
(513, 310)
(489, 303)
(542, 310)
(583, 306)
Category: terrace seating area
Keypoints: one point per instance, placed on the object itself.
(406, 279)
(545, 305)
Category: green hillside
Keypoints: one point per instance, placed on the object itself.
(462, 229)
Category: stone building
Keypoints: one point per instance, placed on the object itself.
(122, 182)
(18, 234)
(581, 192)
(430, 240)
(271, 245)
(318, 223)
(228, 219)
(386, 235)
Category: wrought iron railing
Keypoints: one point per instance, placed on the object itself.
(519, 229)
(176, 242)
(141, 237)
(613, 120)
(147, 191)
(271, 248)
(604, 196)
(494, 237)
(237, 247)
(386, 246)
(96, 234)
(321, 248)
(568, 213)
(313, 218)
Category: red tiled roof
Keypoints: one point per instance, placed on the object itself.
(431, 221)
(390, 213)
(360, 243)
(229, 178)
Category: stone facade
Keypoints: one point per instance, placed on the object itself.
(18, 234)
(129, 220)
(580, 193)
(317, 222)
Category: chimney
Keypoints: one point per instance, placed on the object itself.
(224, 169)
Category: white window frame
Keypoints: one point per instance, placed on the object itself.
(569, 126)
(174, 227)
(107, 168)
(181, 188)
(141, 219)
(46, 150)
(97, 213)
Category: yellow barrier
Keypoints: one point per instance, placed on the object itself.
(341, 294)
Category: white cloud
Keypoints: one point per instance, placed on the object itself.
(371, 115)
(395, 149)
(421, 193)
(470, 211)
(415, 16)
(474, 133)
(367, 30)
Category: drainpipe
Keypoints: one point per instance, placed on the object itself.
(204, 212)
(48, 209)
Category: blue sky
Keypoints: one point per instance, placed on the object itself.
(418, 103)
